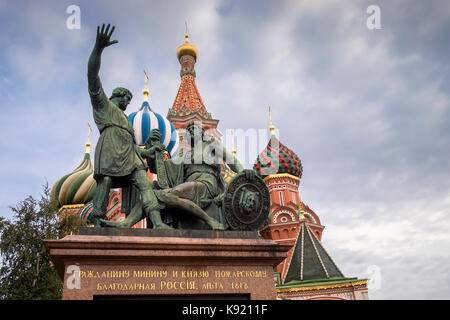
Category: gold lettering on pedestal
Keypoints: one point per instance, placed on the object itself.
(149, 274)
(125, 287)
(89, 274)
(194, 274)
(182, 279)
(212, 286)
(222, 274)
(178, 285)
(239, 285)
(240, 274)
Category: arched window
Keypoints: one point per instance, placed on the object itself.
(276, 235)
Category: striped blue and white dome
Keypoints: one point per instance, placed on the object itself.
(145, 120)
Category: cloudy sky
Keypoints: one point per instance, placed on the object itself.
(366, 110)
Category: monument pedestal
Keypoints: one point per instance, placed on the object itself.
(104, 263)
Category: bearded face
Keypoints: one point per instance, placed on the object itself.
(249, 201)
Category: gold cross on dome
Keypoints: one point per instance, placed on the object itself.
(89, 132)
(146, 78)
(271, 126)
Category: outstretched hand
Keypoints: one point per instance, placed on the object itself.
(153, 138)
(155, 135)
(149, 153)
(103, 37)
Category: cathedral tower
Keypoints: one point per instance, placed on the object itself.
(188, 105)
(281, 170)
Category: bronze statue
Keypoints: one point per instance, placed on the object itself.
(195, 176)
(196, 192)
(118, 161)
(190, 192)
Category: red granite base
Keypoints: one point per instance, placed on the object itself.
(99, 267)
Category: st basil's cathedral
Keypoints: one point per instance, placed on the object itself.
(308, 272)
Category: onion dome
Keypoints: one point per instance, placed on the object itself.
(276, 158)
(77, 187)
(145, 120)
(187, 49)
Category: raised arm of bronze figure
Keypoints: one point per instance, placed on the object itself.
(101, 42)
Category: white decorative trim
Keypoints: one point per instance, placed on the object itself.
(302, 230)
(274, 219)
(317, 252)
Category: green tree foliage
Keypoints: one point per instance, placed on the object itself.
(26, 271)
(71, 224)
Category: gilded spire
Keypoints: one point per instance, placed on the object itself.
(271, 126)
(187, 48)
(186, 35)
(302, 215)
(88, 143)
(146, 92)
(233, 150)
(188, 99)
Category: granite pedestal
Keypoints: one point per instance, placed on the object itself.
(108, 263)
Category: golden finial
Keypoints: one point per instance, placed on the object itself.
(233, 150)
(88, 143)
(186, 35)
(146, 78)
(302, 214)
(146, 92)
(187, 48)
(271, 127)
